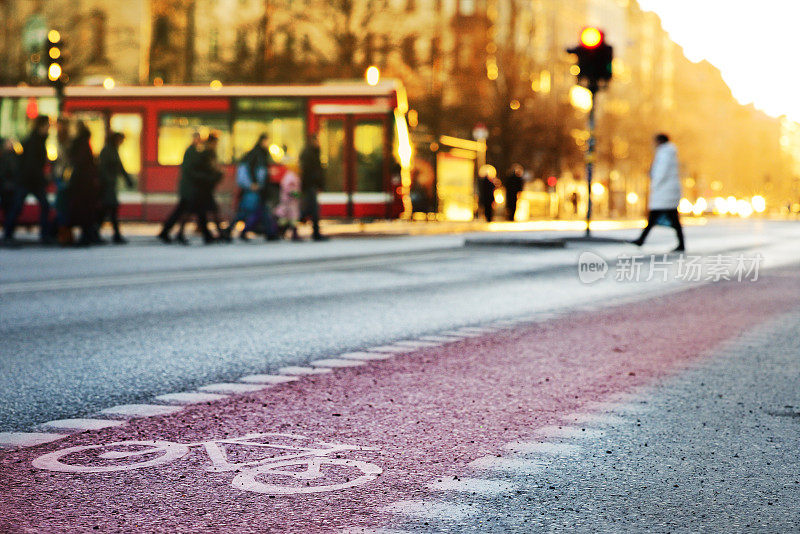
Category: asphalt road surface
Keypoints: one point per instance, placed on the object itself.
(514, 426)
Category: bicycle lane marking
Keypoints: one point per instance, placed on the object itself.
(429, 414)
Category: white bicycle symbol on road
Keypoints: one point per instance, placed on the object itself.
(291, 469)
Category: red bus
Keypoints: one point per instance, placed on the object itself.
(366, 151)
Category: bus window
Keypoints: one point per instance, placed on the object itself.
(331, 141)
(286, 134)
(130, 152)
(175, 135)
(368, 142)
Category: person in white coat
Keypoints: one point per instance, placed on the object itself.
(665, 191)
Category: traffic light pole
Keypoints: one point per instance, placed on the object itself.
(590, 165)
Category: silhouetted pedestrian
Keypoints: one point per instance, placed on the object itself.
(9, 176)
(208, 175)
(32, 181)
(665, 191)
(83, 190)
(513, 187)
(255, 170)
(486, 188)
(187, 188)
(312, 178)
(111, 169)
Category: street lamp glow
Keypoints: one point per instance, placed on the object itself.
(54, 72)
(744, 208)
(685, 206)
(373, 75)
(215, 85)
(598, 189)
(53, 36)
(759, 204)
(109, 83)
(580, 98)
(54, 52)
(632, 198)
(700, 206)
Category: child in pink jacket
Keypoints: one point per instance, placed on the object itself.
(288, 209)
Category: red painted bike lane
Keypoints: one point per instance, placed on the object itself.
(427, 413)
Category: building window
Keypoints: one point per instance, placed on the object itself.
(466, 7)
(175, 135)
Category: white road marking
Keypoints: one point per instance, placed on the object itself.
(568, 432)
(432, 510)
(226, 387)
(82, 424)
(267, 379)
(619, 407)
(366, 356)
(594, 419)
(335, 362)
(389, 348)
(189, 397)
(479, 329)
(27, 439)
(442, 339)
(141, 410)
(517, 465)
(480, 486)
(538, 447)
(296, 370)
(417, 344)
(368, 530)
(462, 333)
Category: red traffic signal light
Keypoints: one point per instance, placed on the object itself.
(552, 181)
(591, 37)
(594, 58)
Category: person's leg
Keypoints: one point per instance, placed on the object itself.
(113, 215)
(652, 217)
(178, 212)
(13, 215)
(44, 214)
(315, 216)
(675, 221)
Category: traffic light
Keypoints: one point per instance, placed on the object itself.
(594, 58)
(552, 182)
(54, 57)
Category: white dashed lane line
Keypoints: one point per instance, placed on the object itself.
(79, 425)
(500, 463)
(366, 356)
(389, 348)
(225, 387)
(477, 486)
(335, 362)
(267, 379)
(27, 439)
(543, 448)
(297, 370)
(140, 410)
(568, 432)
(189, 397)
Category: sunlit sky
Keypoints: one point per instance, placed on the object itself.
(754, 45)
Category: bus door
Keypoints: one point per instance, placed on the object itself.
(355, 153)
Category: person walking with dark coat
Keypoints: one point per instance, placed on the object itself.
(9, 177)
(111, 169)
(513, 186)
(312, 181)
(186, 188)
(206, 177)
(83, 190)
(486, 188)
(32, 181)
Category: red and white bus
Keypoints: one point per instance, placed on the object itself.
(366, 150)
